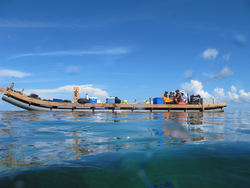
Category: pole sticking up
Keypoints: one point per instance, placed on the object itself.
(11, 86)
(203, 107)
(75, 94)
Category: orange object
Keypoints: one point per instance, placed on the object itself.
(182, 103)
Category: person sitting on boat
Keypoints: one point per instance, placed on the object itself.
(184, 96)
(178, 97)
(167, 100)
(171, 95)
(165, 94)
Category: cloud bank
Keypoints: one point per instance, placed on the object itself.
(232, 96)
(196, 87)
(210, 53)
(12, 73)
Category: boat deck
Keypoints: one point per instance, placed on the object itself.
(25, 102)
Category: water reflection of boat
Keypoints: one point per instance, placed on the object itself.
(76, 143)
(21, 100)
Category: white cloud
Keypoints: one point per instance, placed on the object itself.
(195, 87)
(244, 97)
(205, 74)
(226, 56)
(73, 69)
(219, 76)
(232, 96)
(233, 89)
(210, 53)
(188, 73)
(219, 93)
(68, 89)
(37, 24)
(12, 73)
(26, 24)
(111, 51)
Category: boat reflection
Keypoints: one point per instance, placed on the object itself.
(74, 143)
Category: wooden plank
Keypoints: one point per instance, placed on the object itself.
(2, 90)
(215, 105)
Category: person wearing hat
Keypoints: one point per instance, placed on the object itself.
(184, 96)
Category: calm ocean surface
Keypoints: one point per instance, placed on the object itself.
(123, 149)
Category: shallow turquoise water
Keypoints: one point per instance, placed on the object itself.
(58, 149)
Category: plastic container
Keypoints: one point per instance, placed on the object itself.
(158, 100)
(110, 100)
(208, 100)
(98, 101)
(57, 100)
(92, 99)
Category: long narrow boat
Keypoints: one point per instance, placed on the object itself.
(23, 101)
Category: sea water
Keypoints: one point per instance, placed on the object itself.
(124, 149)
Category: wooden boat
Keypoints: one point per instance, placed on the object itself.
(21, 100)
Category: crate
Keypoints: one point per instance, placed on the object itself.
(57, 100)
(208, 100)
(92, 99)
(110, 100)
(158, 100)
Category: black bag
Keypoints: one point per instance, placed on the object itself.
(195, 99)
(68, 101)
(47, 100)
(34, 96)
(83, 100)
(117, 100)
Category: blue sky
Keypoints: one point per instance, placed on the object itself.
(129, 49)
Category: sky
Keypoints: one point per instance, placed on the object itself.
(129, 49)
